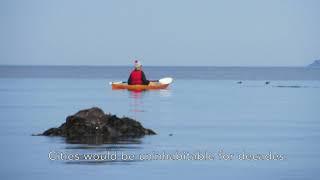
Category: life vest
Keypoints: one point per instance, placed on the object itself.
(136, 77)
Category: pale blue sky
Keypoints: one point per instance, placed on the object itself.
(163, 32)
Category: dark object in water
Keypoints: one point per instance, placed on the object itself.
(267, 82)
(281, 86)
(94, 126)
(239, 82)
(170, 134)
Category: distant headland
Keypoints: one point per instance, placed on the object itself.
(316, 64)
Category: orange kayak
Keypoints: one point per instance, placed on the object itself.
(151, 86)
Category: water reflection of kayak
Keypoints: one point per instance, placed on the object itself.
(159, 84)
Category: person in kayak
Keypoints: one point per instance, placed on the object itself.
(137, 76)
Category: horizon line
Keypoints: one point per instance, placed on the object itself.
(83, 65)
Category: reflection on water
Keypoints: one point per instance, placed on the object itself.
(138, 98)
(165, 93)
(96, 140)
(95, 154)
(110, 147)
(295, 86)
(136, 103)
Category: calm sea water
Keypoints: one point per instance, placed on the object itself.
(205, 110)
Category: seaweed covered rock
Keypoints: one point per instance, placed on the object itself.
(94, 125)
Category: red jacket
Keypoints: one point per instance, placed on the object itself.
(137, 77)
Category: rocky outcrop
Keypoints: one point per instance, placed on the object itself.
(93, 125)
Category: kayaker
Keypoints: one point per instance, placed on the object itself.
(137, 76)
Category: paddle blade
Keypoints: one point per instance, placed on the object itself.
(167, 80)
(119, 82)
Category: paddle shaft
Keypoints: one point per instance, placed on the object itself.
(149, 81)
(166, 80)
